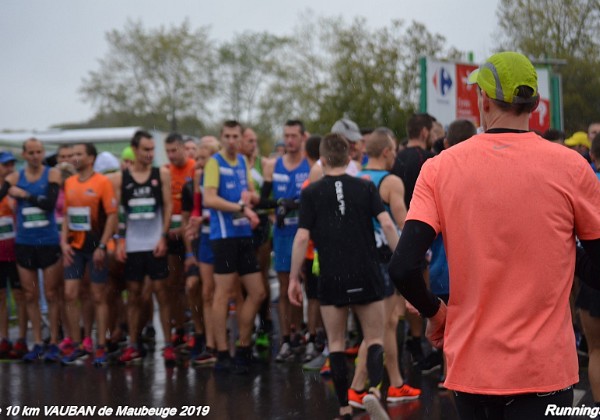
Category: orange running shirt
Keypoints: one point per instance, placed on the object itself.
(179, 176)
(86, 206)
(509, 206)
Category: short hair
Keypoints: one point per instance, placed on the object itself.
(137, 137)
(210, 143)
(311, 147)
(334, 150)
(417, 122)
(379, 139)
(90, 148)
(553, 134)
(174, 138)
(366, 131)
(31, 140)
(292, 123)
(232, 124)
(191, 140)
(460, 130)
(63, 146)
(595, 149)
(528, 102)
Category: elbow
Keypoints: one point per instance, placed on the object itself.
(398, 272)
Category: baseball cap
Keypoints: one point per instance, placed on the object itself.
(6, 157)
(501, 75)
(580, 138)
(106, 162)
(347, 128)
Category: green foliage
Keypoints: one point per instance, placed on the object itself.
(567, 30)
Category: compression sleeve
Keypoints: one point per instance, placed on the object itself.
(406, 267)
(45, 202)
(266, 202)
(4, 189)
(587, 263)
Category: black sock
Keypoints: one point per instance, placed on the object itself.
(339, 375)
(375, 364)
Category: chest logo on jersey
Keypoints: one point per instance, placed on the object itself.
(226, 171)
(90, 192)
(142, 191)
(339, 192)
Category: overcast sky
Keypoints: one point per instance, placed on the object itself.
(48, 47)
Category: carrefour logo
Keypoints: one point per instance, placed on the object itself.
(442, 82)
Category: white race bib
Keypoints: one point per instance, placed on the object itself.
(34, 217)
(7, 228)
(142, 208)
(176, 220)
(80, 219)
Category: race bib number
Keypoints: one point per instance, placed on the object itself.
(142, 208)
(7, 228)
(290, 221)
(34, 217)
(80, 219)
(176, 220)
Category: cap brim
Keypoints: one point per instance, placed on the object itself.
(472, 79)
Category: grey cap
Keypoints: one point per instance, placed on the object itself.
(347, 128)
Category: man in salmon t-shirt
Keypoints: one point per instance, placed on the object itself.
(509, 205)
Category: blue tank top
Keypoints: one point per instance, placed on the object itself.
(287, 184)
(232, 181)
(376, 176)
(34, 225)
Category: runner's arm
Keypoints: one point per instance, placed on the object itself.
(406, 267)
(165, 179)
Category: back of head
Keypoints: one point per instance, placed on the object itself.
(106, 163)
(416, 123)
(334, 150)
(311, 147)
(460, 130)
(554, 135)
(510, 80)
(595, 149)
(378, 140)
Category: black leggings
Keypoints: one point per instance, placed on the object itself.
(512, 407)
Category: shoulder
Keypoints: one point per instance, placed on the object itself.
(53, 173)
(164, 172)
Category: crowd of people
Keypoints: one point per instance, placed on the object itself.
(345, 222)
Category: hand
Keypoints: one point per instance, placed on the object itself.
(17, 192)
(252, 216)
(295, 291)
(436, 326)
(99, 258)
(411, 309)
(160, 250)
(192, 228)
(68, 254)
(247, 198)
(120, 253)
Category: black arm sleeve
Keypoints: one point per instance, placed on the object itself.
(406, 267)
(266, 202)
(4, 189)
(187, 196)
(587, 263)
(46, 203)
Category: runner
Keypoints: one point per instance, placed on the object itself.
(145, 194)
(284, 177)
(37, 243)
(337, 213)
(8, 270)
(91, 220)
(229, 194)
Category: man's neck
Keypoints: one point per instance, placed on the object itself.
(140, 167)
(376, 164)
(329, 171)
(416, 143)
(86, 173)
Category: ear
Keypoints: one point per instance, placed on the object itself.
(446, 144)
(485, 101)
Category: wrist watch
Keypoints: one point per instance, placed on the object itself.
(102, 247)
(242, 206)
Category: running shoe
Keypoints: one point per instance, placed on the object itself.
(36, 353)
(430, 363)
(326, 369)
(88, 345)
(100, 358)
(311, 352)
(205, 358)
(285, 353)
(262, 340)
(5, 349)
(315, 364)
(242, 361)
(441, 381)
(374, 407)
(355, 398)
(77, 356)
(352, 351)
(403, 393)
(169, 355)
(19, 349)
(131, 355)
(224, 365)
(66, 345)
(53, 354)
